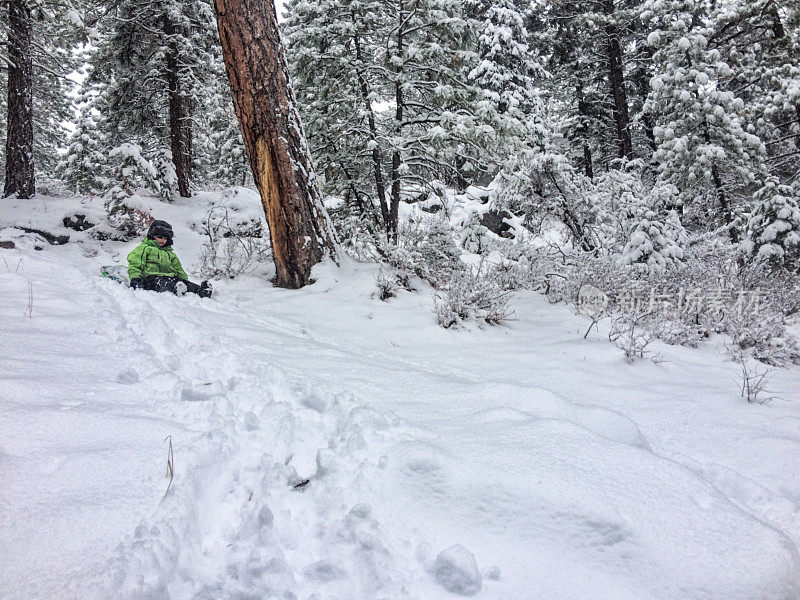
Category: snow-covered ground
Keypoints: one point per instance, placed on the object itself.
(515, 462)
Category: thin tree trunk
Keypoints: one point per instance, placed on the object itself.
(642, 79)
(778, 30)
(20, 172)
(617, 81)
(722, 198)
(724, 204)
(398, 96)
(377, 158)
(180, 121)
(460, 181)
(299, 227)
(573, 223)
(583, 111)
(797, 112)
(351, 185)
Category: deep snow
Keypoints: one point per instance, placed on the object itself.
(514, 462)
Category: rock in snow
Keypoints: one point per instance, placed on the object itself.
(128, 376)
(323, 571)
(456, 571)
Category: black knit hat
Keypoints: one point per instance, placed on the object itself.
(160, 229)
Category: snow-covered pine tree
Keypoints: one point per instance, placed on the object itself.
(703, 146)
(508, 70)
(220, 148)
(219, 153)
(505, 68)
(760, 39)
(438, 130)
(387, 81)
(151, 63)
(84, 166)
(474, 236)
(590, 44)
(654, 242)
(574, 91)
(774, 225)
(130, 171)
(334, 53)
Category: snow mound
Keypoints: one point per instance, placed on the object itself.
(456, 571)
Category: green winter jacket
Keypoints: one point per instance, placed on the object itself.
(148, 258)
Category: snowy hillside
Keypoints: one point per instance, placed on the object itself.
(515, 462)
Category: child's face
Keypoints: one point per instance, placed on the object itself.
(160, 240)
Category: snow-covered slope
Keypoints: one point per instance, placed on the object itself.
(561, 470)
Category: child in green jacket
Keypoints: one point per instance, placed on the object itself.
(153, 265)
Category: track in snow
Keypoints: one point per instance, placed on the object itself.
(563, 483)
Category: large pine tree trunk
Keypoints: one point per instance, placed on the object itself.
(273, 135)
(180, 119)
(617, 81)
(20, 174)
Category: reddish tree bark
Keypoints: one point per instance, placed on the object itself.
(20, 174)
(299, 228)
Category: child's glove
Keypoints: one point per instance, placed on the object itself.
(136, 283)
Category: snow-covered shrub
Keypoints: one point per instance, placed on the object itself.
(426, 246)
(678, 332)
(165, 180)
(512, 275)
(388, 283)
(711, 291)
(632, 222)
(538, 183)
(523, 266)
(474, 236)
(358, 234)
(754, 383)
(232, 246)
(619, 197)
(628, 335)
(472, 293)
(654, 242)
(128, 215)
(774, 226)
(617, 214)
(131, 171)
(754, 379)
